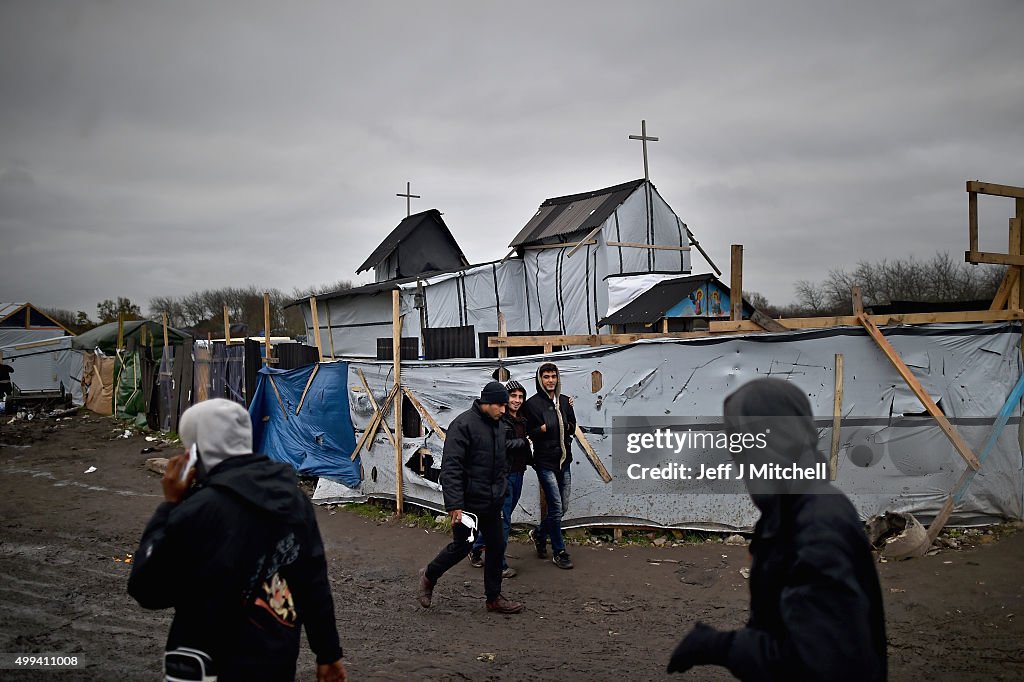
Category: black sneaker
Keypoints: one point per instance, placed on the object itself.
(541, 545)
(476, 558)
(562, 560)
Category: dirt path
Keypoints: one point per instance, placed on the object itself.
(957, 615)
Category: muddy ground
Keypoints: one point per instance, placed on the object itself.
(957, 615)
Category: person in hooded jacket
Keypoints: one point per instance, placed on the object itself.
(474, 473)
(815, 603)
(551, 424)
(238, 556)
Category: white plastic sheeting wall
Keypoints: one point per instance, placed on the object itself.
(969, 369)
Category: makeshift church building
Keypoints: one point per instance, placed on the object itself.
(580, 257)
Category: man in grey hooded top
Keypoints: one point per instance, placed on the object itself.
(815, 603)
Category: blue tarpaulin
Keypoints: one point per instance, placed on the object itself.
(303, 419)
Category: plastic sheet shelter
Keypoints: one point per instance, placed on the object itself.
(892, 457)
(303, 419)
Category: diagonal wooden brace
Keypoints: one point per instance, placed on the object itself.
(376, 408)
(922, 395)
(592, 456)
(371, 429)
(423, 412)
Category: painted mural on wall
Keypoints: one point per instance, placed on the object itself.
(707, 300)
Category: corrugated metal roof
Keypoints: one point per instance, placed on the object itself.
(8, 309)
(403, 230)
(652, 305)
(574, 213)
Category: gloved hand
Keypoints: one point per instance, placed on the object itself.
(703, 646)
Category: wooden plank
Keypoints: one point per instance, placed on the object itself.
(541, 247)
(273, 384)
(993, 258)
(548, 348)
(585, 240)
(837, 418)
(922, 395)
(423, 412)
(857, 300)
(266, 327)
(940, 521)
(1014, 299)
(972, 220)
(376, 407)
(995, 190)
(330, 330)
(596, 381)
(316, 328)
(664, 325)
(503, 333)
(305, 390)
(652, 247)
(1009, 282)
(227, 326)
(165, 330)
(767, 323)
(592, 456)
(852, 320)
(371, 428)
(396, 343)
(586, 339)
(736, 283)
(120, 332)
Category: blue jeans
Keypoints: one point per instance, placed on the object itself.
(512, 493)
(556, 486)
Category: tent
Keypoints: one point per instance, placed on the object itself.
(142, 332)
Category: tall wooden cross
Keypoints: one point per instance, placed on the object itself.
(408, 198)
(643, 138)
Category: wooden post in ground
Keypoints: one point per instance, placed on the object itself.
(1016, 248)
(503, 350)
(972, 218)
(227, 328)
(120, 331)
(396, 336)
(837, 418)
(316, 328)
(736, 284)
(858, 301)
(266, 328)
(165, 333)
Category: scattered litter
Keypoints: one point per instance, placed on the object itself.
(157, 465)
(127, 434)
(947, 562)
(146, 451)
(745, 572)
(126, 560)
(735, 540)
(486, 657)
(150, 439)
(89, 470)
(898, 535)
(896, 589)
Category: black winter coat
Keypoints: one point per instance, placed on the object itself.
(815, 603)
(474, 464)
(241, 561)
(520, 454)
(552, 448)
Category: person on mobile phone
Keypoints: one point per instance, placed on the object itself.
(238, 556)
(474, 475)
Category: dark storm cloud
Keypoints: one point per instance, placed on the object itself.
(154, 148)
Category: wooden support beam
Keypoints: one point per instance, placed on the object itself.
(541, 247)
(372, 427)
(585, 240)
(316, 327)
(736, 283)
(227, 327)
(837, 418)
(266, 327)
(120, 331)
(330, 331)
(273, 384)
(922, 395)
(857, 301)
(165, 331)
(423, 413)
(585, 339)
(502, 350)
(972, 220)
(309, 382)
(653, 247)
(994, 258)
(767, 323)
(592, 456)
(376, 407)
(396, 335)
(995, 190)
(1002, 297)
(940, 521)
(1014, 298)
(852, 320)
(548, 348)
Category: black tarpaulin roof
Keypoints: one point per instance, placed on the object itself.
(574, 213)
(406, 228)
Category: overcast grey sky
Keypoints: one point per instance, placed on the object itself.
(158, 148)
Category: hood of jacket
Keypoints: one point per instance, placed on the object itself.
(259, 481)
(782, 412)
(540, 385)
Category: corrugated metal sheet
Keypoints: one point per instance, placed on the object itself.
(573, 213)
(449, 342)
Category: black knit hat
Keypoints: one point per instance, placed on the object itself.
(513, 385)
(494, 392)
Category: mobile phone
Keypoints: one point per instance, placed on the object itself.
(193, 456)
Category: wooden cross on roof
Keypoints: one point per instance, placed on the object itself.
(645, 139)
(408, 198)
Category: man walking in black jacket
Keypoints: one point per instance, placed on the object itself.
(551, 424)
(474, 472)
(815, 602)
(239, 557)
